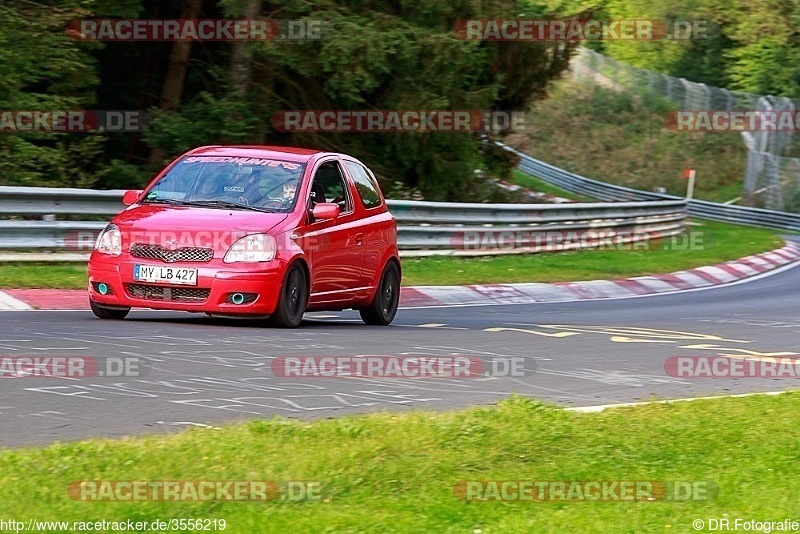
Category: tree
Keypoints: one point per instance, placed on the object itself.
(389, 56)
(172, 90)
(44, 70)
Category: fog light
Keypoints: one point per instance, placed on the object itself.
(239, 299)
(102, 288)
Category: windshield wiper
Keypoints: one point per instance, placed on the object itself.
(225, 204)
(162, 201)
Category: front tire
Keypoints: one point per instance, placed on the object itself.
(293, 299)
(383, 308)
(102, 312)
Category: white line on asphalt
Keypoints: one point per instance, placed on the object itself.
(600, 408)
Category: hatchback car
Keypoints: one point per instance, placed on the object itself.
(251, 231)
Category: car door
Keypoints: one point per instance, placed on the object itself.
(376, 223)
(335, 246)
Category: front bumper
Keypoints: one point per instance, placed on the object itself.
(216, 283)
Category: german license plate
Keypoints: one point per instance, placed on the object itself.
(165, 275)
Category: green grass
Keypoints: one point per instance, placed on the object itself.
(50, 275)
(720, 242)
(539, 185)
(396, 473)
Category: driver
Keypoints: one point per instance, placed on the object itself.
(289, 191)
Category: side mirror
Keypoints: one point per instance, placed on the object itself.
(131, 196)
(325, 210)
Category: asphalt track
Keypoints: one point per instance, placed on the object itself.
(208, 371)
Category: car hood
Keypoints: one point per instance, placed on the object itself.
(157, 224)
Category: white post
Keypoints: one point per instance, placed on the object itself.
(690, 185)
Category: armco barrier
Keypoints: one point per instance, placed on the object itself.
(702, 209)
(422, 226)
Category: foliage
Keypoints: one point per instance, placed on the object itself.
(370, 55)
(748, 46)
(42, 69)
(620, 138)
(392, 56)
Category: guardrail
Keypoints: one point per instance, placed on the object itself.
(423, 227)
(702, 209)
(507, 228)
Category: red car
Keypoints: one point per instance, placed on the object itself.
(253, 231)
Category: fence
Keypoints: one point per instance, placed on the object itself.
(423, 227)
(771, 178)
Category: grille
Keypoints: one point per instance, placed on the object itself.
(173, 294)
(156, 252)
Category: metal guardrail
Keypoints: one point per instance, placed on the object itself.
(59, 201)
(702, 209)
(422, 226)
(470, 227)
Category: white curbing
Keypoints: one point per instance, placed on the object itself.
(654, 284)
(7, 302)
(692, 279)
(720, 274)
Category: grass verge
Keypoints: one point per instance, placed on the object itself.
(396, 473)
(621, 139)
(714, 242)
(539, 185)
(49, 275)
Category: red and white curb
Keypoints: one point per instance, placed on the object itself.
(484, 294)
(701, 277)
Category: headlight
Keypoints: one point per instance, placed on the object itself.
(253, 247)
(109, 241)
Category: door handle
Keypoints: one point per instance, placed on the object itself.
(359, 239)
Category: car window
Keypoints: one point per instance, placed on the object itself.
(330, 185)
(365, 185)
(254, 181)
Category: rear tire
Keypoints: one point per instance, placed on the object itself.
(108, 313)
(383, 307)
(293, 299)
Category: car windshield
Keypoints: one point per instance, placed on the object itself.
(225, 182)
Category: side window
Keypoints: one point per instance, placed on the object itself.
(365, 185)
(329, 186)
